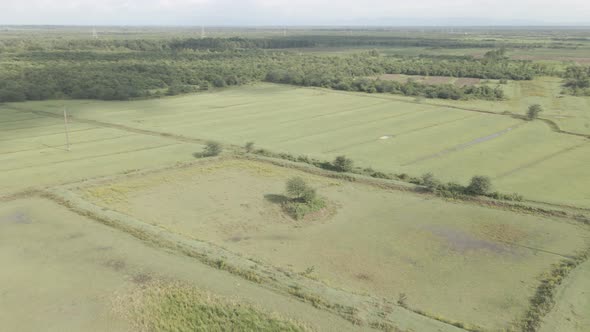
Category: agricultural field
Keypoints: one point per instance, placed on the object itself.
(290, 179)
(33, 151)
(455, 141)
(70, 273)
(376, 242)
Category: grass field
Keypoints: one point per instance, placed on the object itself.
(458, 263)
(484, 261)
(455, 144)
(33, 151)
(573, 304)
(70, 273)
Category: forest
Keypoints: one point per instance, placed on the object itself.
(127, 69)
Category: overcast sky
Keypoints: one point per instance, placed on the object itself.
(295, 12)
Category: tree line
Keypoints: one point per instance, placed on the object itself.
(122, 75)
(577, 80)
(310, 41)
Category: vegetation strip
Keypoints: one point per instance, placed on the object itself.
(381, 180)
(544, 299)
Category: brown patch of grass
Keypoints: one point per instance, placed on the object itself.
(174, 306)
(502, 232)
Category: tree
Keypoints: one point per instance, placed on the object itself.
(479, 185)
(430, 182)
(342, 164)
(212, 148)
(299, 190)
(534, 111)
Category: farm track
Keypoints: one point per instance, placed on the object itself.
(124, 128)
(62, 147)
(45, 135)
(89, 157)
(463, 146)
(540, 160)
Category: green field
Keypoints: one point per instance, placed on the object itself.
(524, 157)
(124, 224)
(484, 261)
(70, 273)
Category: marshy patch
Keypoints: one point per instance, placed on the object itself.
(464, 242)
(116, 264)
(19, 218)
(142, 278)
(238, 238)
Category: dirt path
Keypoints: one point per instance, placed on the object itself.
(463, 146)
(540, 160)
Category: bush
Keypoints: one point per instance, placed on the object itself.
(430, 182)
(479, 185)
(342, 164)
(534, 111)
(249, 147)
(303, 199)
(212, 149)
(299, 210)
(298, 190)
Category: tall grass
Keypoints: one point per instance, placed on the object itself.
(174, 306)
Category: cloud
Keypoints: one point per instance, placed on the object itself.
(288, 12)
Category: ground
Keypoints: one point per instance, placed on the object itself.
(83, 226)
(378, 242)
(66, 271)
(454, 140)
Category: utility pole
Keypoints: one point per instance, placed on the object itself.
(94, 33)
(66, 129)
(202, 31)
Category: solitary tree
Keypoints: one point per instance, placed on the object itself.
(299, 190)
(534, 111)
(479, 185)
(342, 164)
(212, 148)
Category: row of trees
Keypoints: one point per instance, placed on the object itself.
(410, 88)
(310, 41)
(126, 75)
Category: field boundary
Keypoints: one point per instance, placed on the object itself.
(543, 302)
(357, 308)
(554, 126)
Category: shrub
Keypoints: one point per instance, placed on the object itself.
(479, 185)
(303, 199)
(342, 164)
(297, 189)
(249, 147)
(299, 210)
(430, 182)
(534, 111)
(212, 148)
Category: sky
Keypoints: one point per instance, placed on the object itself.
(295, 12)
